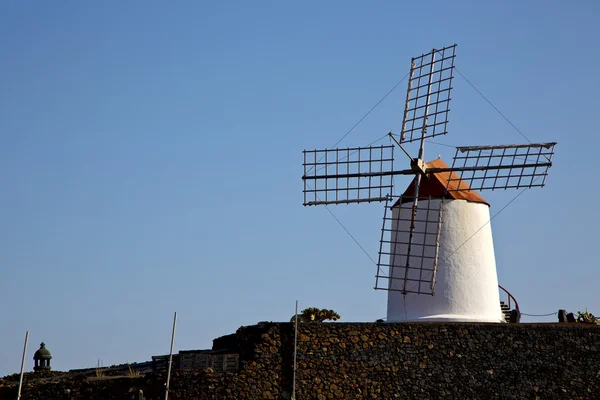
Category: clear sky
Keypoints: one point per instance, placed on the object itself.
(150, 160)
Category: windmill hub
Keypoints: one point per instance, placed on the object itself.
(436, 257)
(418, 166)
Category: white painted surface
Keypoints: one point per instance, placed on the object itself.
(466, 287)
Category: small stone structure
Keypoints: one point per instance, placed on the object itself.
(42, 359)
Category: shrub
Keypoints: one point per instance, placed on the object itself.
(313, 314)
(587, 317)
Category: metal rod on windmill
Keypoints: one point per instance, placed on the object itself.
(425, 238)
(419, 166)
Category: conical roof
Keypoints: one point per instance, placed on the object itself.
(434, 185)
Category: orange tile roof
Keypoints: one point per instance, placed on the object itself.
(434, 185)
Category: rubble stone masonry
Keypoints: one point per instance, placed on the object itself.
(374, 361)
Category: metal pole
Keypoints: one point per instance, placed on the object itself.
(170, 357)
(23, 365)
(410, 79)
(418, 177)
(424, 130)
(295, 351)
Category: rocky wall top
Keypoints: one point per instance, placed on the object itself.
(383, 361)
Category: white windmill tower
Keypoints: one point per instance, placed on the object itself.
(436, 254)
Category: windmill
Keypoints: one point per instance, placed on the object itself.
(436, 256)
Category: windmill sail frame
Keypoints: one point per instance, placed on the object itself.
(501, 167)
(352, 175)
(409, 247)
(426, 114)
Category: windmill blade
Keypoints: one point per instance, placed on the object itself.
(428, 95)
(352, 175)
(415, 239)
(498, 167)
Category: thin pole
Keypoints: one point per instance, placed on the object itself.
(170, 357)
(295, 351)
(23, 364)
(406, 107)
(418, 177)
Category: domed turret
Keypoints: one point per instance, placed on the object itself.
(42, 358)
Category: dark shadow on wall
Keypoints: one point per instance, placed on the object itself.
(286, 352)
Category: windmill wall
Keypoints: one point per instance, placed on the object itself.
(466, 282)
(376, 361)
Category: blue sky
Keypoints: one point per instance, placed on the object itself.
(150, 160)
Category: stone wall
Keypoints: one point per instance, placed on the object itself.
(380, 361)
(464, 361)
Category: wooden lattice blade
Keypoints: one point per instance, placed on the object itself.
(344, 176)
(498, 167)
(401, 236)
(428, 95)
